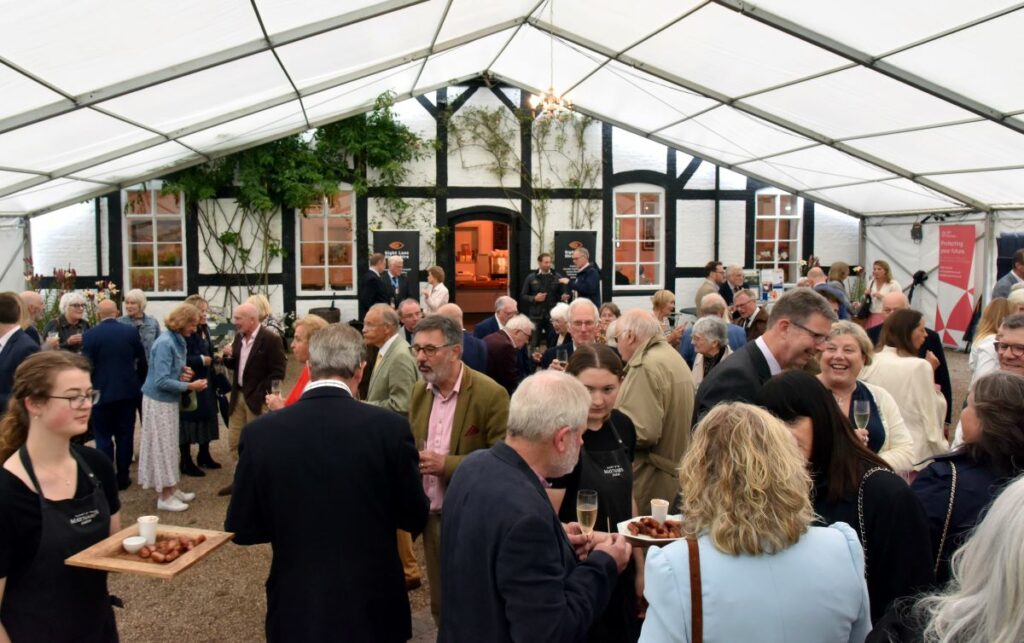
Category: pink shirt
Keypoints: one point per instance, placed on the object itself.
(243, 355)
(439, 437)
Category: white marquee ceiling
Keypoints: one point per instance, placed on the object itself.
(868, 106)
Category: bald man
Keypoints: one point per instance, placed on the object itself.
(118, 360)
(931, 350)
(474, 351)
(256, 357)
(34, 306)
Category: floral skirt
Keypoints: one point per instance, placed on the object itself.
(159, 457)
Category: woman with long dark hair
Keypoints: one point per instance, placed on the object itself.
(56, 499)
(855, 486)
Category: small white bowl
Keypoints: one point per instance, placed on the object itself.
(133, 544)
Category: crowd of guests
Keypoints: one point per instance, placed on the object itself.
(809, 457)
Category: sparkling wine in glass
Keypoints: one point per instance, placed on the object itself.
(586, 510)
(562, 355)
(275, 387)
(861, 413)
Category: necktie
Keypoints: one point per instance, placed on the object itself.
(394, 282)
(380, 358)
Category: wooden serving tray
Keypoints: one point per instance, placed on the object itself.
(108, 555)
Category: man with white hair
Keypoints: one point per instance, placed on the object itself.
(712, 305)
(505, 308)
(587, 282)
(733, 282)
(399, 286)
(584, 318)
(657, 394)
(510, 572)
(502, 347)
(34, 308)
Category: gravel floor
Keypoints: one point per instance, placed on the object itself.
(223, 598)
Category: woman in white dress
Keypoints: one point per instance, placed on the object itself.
(881, 285)
(436, 294)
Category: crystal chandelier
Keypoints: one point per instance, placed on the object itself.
(550, 104)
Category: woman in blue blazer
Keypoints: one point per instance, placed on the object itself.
(766, 574)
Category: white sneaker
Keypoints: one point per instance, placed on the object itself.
(184, 496)
(171, 504)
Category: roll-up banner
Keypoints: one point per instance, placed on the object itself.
(956, 283)
(568, 240)
(405, 244)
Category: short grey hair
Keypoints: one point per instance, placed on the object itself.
(583, 252)
(712, 304)
(745, 291)
(449, 329)
(520, 322)
(583, 302)
(641, 323)
(500, 302)
(137, 296)
(69, 298)
(544, 403)
(388, 316)
(733, 268)
(335, 351)
(560, 311)
(393, 259)
(844, 327)
(798, 305)
(713, 329)
(1013, 322)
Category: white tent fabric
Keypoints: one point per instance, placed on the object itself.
(869, 107)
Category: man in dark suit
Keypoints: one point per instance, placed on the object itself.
(797, 328)
(505, 308)
(372, 288)
(541, 291)
(502, 351)
(733, 283)
(15, 344)
(349, 470)
(1010, 279)
(256, 357)
(509, 566)
(474, 351)
(587, 282)
(583, 318)
(409, 313)
(117, 356)
(746, 314)
(931, 350)
(400, 287)
(713, 305)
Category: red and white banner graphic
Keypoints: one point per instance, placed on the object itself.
(956, 283)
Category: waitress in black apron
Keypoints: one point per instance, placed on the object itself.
(606, 466)
(56, 499)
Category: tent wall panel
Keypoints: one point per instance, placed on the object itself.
(12, 244)
(836, 236)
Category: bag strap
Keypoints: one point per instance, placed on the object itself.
(949, 518)
(860, 514)
(696, 601)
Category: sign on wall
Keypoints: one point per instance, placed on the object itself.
(405, 244)
(568, 240)
(956, 283)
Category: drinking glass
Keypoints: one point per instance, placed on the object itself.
(562, 355)
(586, 510)
(861, 413)
(275, 387)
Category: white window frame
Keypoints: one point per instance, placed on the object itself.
(298, 248)
(126, 241)
(795, 217)
(636, 189)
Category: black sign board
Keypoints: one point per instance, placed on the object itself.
(568, 240)
(405, 244)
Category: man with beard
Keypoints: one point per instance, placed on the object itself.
(510, 569)
(454, 411)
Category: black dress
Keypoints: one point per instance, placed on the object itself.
(606, 465)
(898, 556)
(199, 426)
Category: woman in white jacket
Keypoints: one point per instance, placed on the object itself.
(910, 380)
(844, 356)
(436, 294)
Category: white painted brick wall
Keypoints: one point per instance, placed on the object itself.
(695, 234)
(65, 237)
(632, 152)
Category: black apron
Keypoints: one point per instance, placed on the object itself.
(53, 602)
(610, 474)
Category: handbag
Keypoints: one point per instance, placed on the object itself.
(696, 601)
(865, 305)
(860, 514)
(189, 402)
(949, 518)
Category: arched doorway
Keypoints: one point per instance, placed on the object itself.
(482, 258)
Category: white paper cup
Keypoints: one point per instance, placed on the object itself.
(147, 528)
(659, 509)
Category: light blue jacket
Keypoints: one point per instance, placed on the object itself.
(812, 592)
(149, 330)
(166, 360)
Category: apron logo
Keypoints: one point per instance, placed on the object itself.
(85, 518)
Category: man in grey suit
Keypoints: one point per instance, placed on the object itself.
(1015, 276)
(391, 383)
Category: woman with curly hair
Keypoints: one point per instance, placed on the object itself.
(746, 498)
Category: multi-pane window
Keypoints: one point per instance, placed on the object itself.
(777, 238)
(638, 238)
(155, 241)
(327, 245)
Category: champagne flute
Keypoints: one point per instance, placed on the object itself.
(586, 510)
(562, 355)
(861, 413)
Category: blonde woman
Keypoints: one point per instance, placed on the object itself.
(304, 329)
(881, 285)
(756, 544)
(983, 358)
(435, 294)
(663, 305)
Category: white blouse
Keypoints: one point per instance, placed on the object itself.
(882, 290)
(436, 297)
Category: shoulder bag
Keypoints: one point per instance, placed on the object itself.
(949, 518)
(696, 602)
(865, 305)
(860, 514)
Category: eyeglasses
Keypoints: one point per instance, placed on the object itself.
(819, 338)
(1015, 350)
(76, 305)
(583, 323)
(427, 350)
(78, 401)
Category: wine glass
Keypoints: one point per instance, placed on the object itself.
(861, 413)
(562, 355)
(586, 510)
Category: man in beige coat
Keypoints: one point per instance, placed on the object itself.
(657, 394)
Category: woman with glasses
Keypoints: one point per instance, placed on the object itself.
(167, 380)
(910, 380)
(56, 499)
(66, 330)
(957, 487)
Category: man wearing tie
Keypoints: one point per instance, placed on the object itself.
(398, 283)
